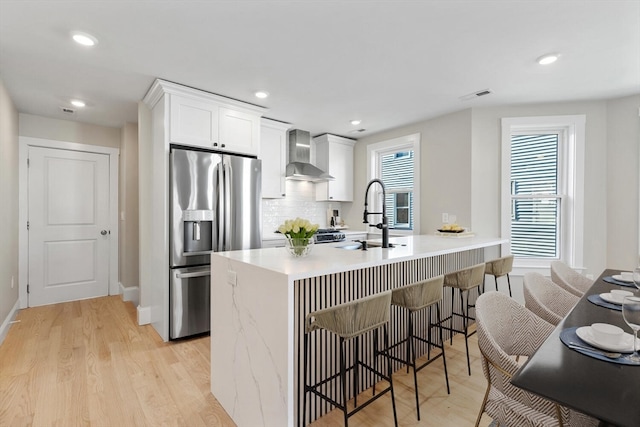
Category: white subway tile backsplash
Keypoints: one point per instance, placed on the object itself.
(299, 202)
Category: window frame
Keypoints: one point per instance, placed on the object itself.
(374, 151)
(570, 186)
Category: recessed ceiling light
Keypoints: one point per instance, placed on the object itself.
(78, 103)
(261, 94)
(548, 59)
(356, 122)
(84, 39)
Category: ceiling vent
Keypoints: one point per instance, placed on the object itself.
(475, 95)
(357, 131)
(67, 110)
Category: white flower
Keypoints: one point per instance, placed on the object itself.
(298, 228)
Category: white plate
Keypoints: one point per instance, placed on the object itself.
(624, 346)
(607, 297)
(619, 278)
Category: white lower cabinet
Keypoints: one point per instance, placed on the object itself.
(273, 153)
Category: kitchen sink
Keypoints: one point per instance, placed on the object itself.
(356, 246)
(351, 247)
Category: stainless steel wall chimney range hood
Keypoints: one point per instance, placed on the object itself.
(299, 166)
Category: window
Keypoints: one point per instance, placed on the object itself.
(394, 162)
(535, 202)
(543, 169)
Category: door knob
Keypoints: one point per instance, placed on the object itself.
(103, 232)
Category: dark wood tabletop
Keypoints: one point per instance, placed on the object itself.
(607, 391)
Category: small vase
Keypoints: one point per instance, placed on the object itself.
(299, 246)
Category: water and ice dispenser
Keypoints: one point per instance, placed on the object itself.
(198, 230)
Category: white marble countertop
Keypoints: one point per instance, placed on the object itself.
(329, 258)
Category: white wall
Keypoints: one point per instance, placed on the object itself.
(145, 173)
(8, 209)
(486, 134)
(67, 130)
(128, 192)
(623, 153)
(461, 173)
(445, 168)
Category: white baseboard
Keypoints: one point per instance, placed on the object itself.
(6, 324)
(130, 293)
(144, 315)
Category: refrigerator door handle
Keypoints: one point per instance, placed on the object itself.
(221, 208)
(227, 206)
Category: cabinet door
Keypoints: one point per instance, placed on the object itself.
(239, 131)
(335, 157)
(273, 144)
(193, 122)
(341, 167)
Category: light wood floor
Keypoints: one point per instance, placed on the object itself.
(89, 363)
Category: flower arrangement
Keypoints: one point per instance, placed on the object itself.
(298, 228)
(299, 233)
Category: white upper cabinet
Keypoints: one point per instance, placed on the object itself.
(239, 131)
(202, 119)
(334, 154)
(273, 152)
(193, 122)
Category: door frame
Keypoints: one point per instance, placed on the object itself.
(23, 207)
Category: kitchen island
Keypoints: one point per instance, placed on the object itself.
(259, 299)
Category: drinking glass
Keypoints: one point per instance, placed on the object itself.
(636, 277)
(631, 314)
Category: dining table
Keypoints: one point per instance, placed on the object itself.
(606, 389)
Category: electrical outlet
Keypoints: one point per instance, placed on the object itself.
(13, 281)
(232, 277)
(445, 218)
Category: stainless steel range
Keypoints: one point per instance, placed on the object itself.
(329, 235)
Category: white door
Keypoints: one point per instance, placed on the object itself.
(68, 225)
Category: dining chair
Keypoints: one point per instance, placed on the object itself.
(546, 299)
(507, 329)
(569, 279)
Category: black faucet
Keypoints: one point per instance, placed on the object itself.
(384, 226)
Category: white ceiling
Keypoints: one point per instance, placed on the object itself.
(388, 63)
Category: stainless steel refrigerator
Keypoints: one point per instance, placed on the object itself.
(214, 206)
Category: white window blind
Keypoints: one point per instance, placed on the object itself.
(536, 203)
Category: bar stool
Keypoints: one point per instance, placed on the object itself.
(464, 280)
(350, 321)
(414, 298)
(498, 268)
